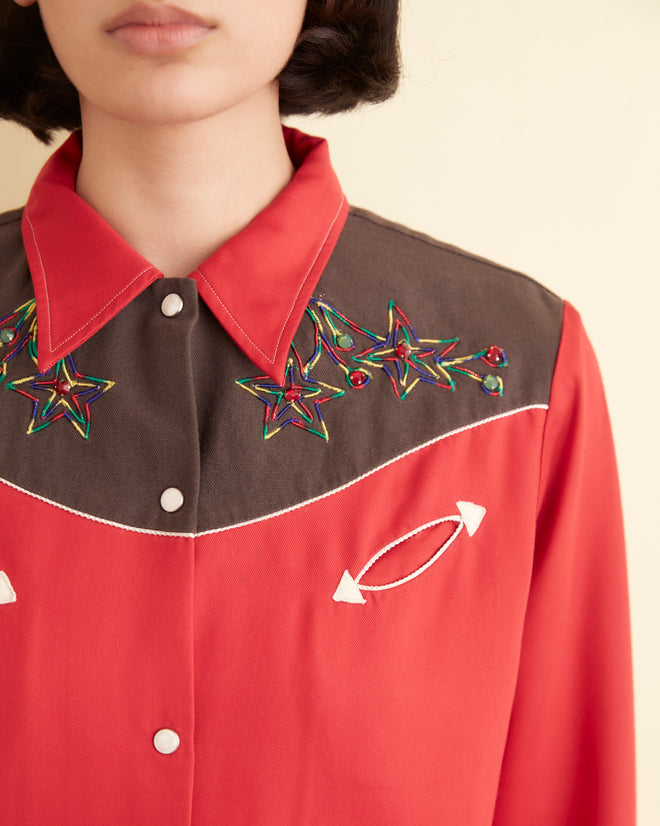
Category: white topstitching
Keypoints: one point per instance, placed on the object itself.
(295, 299)
(51, 347)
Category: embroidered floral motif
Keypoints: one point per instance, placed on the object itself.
(61, 392)
(401, 355)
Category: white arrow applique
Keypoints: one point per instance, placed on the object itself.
(7, 593)
(350, 589)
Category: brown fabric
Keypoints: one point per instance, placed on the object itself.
(177, 417)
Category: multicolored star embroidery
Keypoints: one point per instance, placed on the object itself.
(297, 402)
(61, 392)
(405, 358)
(338, 342)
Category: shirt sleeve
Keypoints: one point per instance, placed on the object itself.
(569, 758)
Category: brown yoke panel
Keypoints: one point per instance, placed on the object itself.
(405, 340)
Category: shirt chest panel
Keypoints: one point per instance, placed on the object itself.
(333, 695)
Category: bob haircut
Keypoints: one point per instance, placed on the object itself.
(347, 53)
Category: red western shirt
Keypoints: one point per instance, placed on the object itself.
(327, 532)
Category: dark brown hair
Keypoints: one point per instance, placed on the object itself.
(346, 54)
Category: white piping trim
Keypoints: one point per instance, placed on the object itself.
(95, 518)
(357, 479)
(419, 570)
(469, 516)
(291, 508)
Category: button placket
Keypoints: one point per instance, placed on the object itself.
(173, 486)
(171, 499)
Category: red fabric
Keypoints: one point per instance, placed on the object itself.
(492, 690)
(569, 757)
(296, 709)
(257, 284)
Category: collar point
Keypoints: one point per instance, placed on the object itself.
(45, 360)
(276, 371)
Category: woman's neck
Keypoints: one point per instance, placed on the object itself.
(175, 193)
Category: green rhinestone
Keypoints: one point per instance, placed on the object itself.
(344, 342)
(491, 383)
(7, 336)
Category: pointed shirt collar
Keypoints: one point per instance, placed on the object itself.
(257, 284)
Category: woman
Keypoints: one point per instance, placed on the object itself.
(310, 518)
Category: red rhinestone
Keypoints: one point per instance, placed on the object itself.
(62, 387)
(292, 394)
(357, 378)
(495, 355)
(403, 350)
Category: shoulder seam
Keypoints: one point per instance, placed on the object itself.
(357, 212)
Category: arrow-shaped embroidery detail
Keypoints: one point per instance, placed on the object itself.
(7, 593)
(350, 589)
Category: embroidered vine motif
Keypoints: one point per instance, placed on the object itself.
(17, 330)
(401, 355)
(59, 393)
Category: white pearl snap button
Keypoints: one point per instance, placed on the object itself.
(171, 305)
(171, 500)
(166, 741)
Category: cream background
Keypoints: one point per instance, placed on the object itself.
(529, 132)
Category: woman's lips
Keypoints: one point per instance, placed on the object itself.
(162, 39)
(158, 29)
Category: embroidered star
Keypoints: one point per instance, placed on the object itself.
(295, 402)
(342, 331)
(406, 358)
(61, 392)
